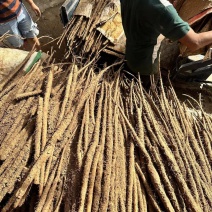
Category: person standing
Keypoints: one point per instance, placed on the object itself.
(16, 21)
(143, 22)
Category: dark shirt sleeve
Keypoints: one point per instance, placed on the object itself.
(171, 25)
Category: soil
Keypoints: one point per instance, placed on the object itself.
(192, 94)
(50, 26)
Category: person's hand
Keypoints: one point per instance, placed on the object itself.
(36, 9)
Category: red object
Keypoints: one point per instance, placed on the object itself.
(9, 9)
(199, 16)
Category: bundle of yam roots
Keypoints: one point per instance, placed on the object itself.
(77, 138)
(83, 34)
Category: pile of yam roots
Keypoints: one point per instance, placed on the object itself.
(74, 138)
(81, 34)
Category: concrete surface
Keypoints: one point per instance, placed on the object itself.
(9, 59)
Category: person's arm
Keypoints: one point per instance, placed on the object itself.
(195, 41)
(34, 7)
(174, 28)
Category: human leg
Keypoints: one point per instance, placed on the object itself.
(28, 30)
(31, 43)
(12, 34)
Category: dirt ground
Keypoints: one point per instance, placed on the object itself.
(50, 27)
(203, 98)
